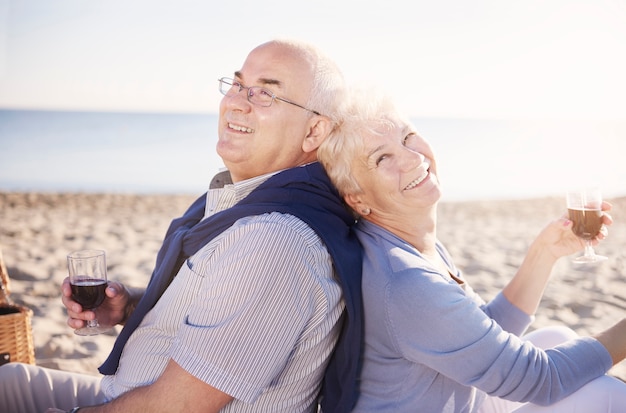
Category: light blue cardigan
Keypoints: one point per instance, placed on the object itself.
(432, 345)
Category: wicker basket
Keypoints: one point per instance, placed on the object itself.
(16, 336)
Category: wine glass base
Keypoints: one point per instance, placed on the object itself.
(91, 331)
(585, 259)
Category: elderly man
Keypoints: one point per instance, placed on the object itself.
(255, 297)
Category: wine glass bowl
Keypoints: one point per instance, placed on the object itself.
(585, 211)
(88, 281)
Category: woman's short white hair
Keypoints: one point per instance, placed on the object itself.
(367, 112)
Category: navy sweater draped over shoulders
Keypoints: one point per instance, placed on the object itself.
(306, 193)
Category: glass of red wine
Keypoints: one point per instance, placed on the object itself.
(585, 211)
(88, 279)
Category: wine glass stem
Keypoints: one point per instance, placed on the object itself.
(92, 323)
(589, 252)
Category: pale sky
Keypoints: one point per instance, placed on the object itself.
(454, 58)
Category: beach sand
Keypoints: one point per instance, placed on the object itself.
(487, 239)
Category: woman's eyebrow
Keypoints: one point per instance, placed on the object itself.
(373, 151)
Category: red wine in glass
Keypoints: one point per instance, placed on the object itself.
(88, 292)
(88, 280)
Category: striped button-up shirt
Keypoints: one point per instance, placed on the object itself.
(254, 313)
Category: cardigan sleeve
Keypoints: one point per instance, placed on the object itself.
(450, 333)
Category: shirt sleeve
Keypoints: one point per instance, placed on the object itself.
(454, 336)
(260, 289)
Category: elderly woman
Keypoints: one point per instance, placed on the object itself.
(431, 343)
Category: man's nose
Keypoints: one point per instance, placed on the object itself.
(238, 98)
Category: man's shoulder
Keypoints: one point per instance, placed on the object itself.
(278, 225)
(271, 231)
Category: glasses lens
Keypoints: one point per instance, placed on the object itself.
(260, 96)
(226, 85)
(256, 95)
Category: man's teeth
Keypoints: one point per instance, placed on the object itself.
(240, 128)
(417, 181)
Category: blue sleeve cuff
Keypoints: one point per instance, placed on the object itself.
(604, 357)
(508, 316)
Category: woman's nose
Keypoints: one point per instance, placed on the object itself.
(412, 159)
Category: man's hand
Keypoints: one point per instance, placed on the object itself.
(111, 312)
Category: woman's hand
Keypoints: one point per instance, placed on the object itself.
(111, 312)
(555, 241)
(559, 239)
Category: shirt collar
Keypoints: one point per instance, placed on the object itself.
(219, 199)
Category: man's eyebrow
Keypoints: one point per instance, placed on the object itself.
(266, 81)
(263, 81)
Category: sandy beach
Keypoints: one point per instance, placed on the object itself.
(487, 239)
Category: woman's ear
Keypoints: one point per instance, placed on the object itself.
(354, 202)
(319, 129)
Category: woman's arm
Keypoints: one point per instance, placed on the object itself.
(555, 241)
(614, 340)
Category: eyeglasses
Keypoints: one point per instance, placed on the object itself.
(256, 95)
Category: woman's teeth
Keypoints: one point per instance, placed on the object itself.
(417, 181)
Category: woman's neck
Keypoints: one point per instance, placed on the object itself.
(418, 228)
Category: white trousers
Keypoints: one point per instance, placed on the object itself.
(603, 395)
(25, 388)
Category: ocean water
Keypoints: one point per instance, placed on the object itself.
(477, 159)
(111, 152)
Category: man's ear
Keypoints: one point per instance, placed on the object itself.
(319, 129)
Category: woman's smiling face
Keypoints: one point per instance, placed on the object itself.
(396, 171)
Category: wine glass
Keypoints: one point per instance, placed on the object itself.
(88, 280)
(585, 211)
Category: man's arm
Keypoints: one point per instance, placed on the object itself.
(175, 391)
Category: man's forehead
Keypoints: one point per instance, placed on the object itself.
(274, 65)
